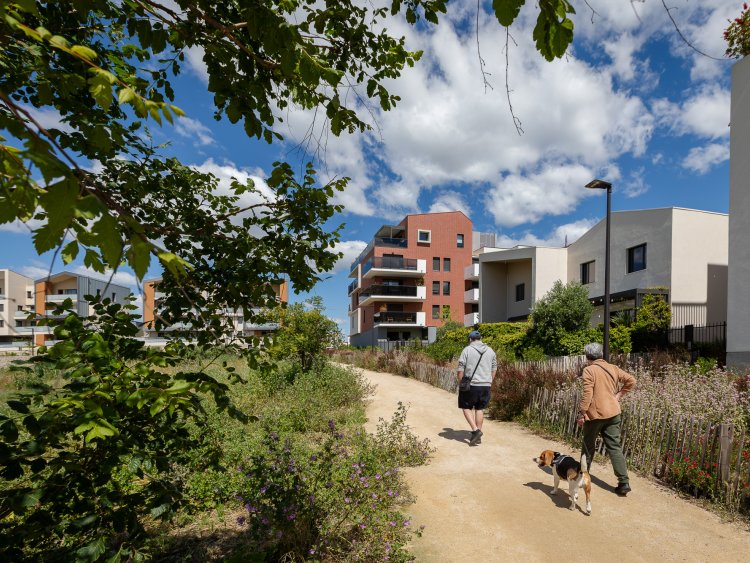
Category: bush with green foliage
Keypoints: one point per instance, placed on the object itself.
(340, 500)
(304, 333)
(564, 310)
(652, 319)
(572, 343)
(64, 449)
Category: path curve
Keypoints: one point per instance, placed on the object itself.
(492, 503)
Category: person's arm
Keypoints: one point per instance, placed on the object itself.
(586, 396)
(494, 366)
(461, 365)
(627, 381)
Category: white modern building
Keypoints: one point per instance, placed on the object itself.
(679, 253)
(16, 303)
(738, 314)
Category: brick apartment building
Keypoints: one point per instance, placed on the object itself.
(412, 277)
(151, 304)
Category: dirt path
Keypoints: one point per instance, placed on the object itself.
(492, 503)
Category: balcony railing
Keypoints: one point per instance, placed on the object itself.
(400, 318)
(352, 286)
(59, 298)
(471, 272)
(471, 319)
(390, 263)
(391, 242)
(402, 293)
(471, 296)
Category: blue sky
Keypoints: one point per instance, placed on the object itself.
(630, 103)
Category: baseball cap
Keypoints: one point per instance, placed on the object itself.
(475, 334)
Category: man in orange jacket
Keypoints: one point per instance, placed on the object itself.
(604, 385)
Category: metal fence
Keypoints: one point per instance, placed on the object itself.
(703, 334)
(392, 345)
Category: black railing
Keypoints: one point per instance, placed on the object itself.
(395, 317)
(703, 334)
(391, 345)
(393, 242)
(390, 263)
(352, 286)
(389, 291)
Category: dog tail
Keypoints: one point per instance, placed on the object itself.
(584, 463)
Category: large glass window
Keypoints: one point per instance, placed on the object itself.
(637, 258)
(587, 272)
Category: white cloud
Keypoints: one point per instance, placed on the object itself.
(560, 235)
(228, 172)
(553, 190)
(701, 159)
(194, 58)
(450, 201)
(48, 118)
(17, 226)
(705, 114)
(636, 184)
(194, 129)
(351, 250)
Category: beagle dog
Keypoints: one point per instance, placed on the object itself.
(574, 472)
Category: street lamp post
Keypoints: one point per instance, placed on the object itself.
(602, 185)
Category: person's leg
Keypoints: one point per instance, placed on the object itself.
(611, 434)
(479, 418)
(590, 432)
(470, 418)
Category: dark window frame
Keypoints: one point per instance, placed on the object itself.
(436, 288)
(436, 262)
(520, 290)
(446, 288)
(637, 264)
(460, 240)
(436, 311)
(446, 264)
(588, 272)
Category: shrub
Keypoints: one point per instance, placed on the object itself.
(572, 344)
(514, 385)
(337, 501)
(565, 309)
(620, 339)
(737, 35)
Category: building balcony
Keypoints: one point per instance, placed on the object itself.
(393, 266)
(260, 326)
(471, 319)
(352, 286)
(399, 318)
(391, 242)
(393, 294)
(32, 329)
(471, 272)
(22, 315)
(471, 296)
(59, 298)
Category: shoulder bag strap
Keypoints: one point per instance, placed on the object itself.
(476, 365)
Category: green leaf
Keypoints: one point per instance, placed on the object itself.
(126, 95)
(92, 551)
(101, 89)
(84, 52)
(69, 252)
(177, 110)
(139, 256)
(507, 11)
(19, 406)
(110, 242)
(179, 386)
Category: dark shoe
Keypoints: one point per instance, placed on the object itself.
(476, 437)
(622, 489)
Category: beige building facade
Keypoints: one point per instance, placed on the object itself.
(680, 253)
(738, 297)
(16, 303)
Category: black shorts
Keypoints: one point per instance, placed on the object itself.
(478, 397)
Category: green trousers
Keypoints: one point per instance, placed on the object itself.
(609, 428)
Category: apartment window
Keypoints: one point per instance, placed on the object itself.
(520, 292)
(446, 264)
(637, 258)
(436, 288)
(460, 240)
(28, 295)
(98, 292)
(424, 236)
(446, 288)
(436, 311)
(114, 296)
(20, 307)
(587, 272)
(2, 307)
(2, 323)
(436, 264)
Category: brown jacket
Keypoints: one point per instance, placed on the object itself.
(601, 381)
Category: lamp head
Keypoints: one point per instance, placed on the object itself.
(599, 185)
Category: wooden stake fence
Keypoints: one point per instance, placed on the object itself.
(682, 450)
